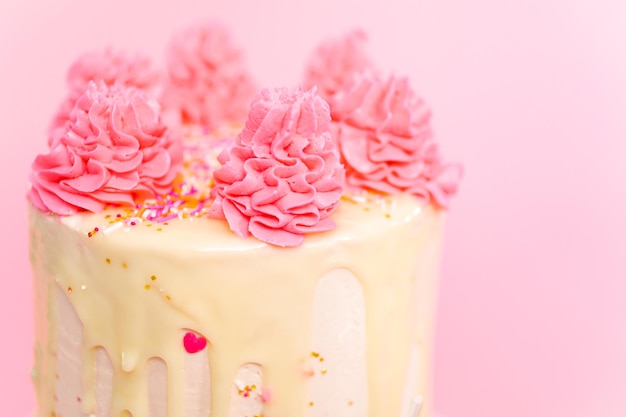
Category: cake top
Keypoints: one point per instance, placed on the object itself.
(166, 146)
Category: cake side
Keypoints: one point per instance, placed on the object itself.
(137, 291)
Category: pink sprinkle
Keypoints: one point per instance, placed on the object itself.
(266, 395)
(198, 209)
(193, 343)
(166, 218)
(96, 229)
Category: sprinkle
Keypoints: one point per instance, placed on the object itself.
(315, 354)
(311, 404)
(193, 343)
(83, 287)
(124, 265)
(108, 260)
(69, 289)
(147, 286)
(350, 403)
(387, 215)
(244, 391)
(323, 371)
(168, 298)
(153, 277)
(96, 229)
(159, 229)
(266, 395)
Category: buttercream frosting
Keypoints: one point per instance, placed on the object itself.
(207, 83)
(282, 178)
(335, 62)
(110, 66)
(383, 131)
(114, 150)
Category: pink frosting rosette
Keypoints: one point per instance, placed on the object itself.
(115, 150)
(282, 177)
(208, 83)
(109, 66)
(333, 63)
(383, 131)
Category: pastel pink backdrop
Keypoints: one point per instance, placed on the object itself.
(529, 95)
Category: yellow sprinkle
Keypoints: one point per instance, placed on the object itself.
(324, 371)
(387, 215)
(108, 260)
(159, 229)
(153, 277)
(107, 216)
(253, 387)
(315, 354)
(147, 287)
(311, 404)
(321, 359)
(350, 403)
(124, 265)
(148, 224)
(168, 298)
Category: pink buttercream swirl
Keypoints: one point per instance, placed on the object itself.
(383, 131)
(115, 150)
(208, 83)
(109, 66)
(282, 178)
(334, 62)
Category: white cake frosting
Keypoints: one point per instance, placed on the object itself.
(339, 326)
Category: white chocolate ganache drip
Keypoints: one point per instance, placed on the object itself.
(183, 318)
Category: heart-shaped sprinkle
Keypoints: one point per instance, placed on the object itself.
(193, 342)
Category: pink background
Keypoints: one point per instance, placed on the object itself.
(530, 95)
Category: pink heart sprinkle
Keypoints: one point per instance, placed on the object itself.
(193, 343)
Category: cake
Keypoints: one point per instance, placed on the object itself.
(201, 246)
